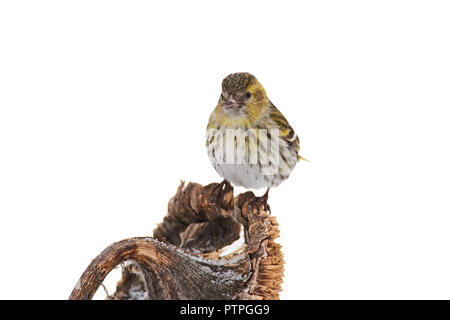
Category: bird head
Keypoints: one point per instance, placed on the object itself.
(242, 97)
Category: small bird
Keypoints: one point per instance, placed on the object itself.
(249, 142)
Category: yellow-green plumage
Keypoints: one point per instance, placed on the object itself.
(255, 125)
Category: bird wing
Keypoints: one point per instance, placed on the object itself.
(287, 133)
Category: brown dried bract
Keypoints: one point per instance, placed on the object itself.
(183, 259)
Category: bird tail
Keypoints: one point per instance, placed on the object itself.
(299, 157)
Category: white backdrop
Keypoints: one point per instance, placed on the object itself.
(103, 110)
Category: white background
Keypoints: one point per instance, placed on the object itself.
(103, 110)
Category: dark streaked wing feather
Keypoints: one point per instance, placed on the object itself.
(287, 133)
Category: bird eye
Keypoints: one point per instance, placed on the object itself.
(222, 97)
(248, 95)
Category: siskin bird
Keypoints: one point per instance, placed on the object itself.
(249, 142)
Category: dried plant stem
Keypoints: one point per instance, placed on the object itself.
(182, 260)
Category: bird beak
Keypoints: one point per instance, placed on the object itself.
(232, 103)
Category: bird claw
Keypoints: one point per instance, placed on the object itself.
(262, 201)
(219, 188)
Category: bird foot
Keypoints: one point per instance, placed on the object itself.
(220, 188)
(262, 201)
